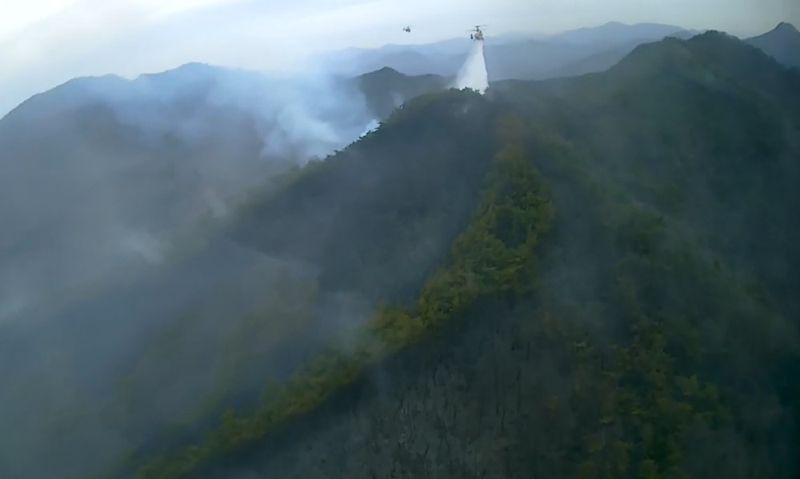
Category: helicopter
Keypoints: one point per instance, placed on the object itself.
(476, 33)
(407, 29)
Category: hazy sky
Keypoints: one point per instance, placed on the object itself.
(46, 42)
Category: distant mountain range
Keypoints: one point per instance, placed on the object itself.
(513, 56)
(529, 57)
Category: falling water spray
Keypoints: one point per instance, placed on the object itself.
(473, 73)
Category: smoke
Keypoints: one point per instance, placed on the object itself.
(145, 246)
(371, 126)
(110, 244)
(116, 278)
(473, 73)
(130, 162)
(298, 117)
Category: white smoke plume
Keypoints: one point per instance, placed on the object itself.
(473, 74)
(371, 126)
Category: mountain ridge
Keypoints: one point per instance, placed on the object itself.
(591, 276)
(641, 298)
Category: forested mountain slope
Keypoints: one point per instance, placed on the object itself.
(114, 280)
(618, 299)
(101, 171)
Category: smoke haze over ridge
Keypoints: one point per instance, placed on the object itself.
(46, 42)
(128, 163)
(112, 236)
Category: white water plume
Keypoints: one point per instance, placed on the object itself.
(473, 74)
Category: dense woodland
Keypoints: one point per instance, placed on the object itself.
(593, 277)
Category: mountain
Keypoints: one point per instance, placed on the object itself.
(620, 33)
(782, 43)
(512, 56)
(533, 59)
(408, 59)
(597, 62)
(605, 59)
(101, 172)
(589, 276)
(112, 196)
(387, 89)
(127, 163)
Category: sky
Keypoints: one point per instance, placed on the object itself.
(44, 43)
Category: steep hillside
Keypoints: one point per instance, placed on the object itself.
(619, 302)
(395, 187)
(112, 195)
(782, 43)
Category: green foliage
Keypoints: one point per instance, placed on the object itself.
(658, 337)
(494, 256)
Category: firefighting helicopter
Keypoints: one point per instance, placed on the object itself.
(476, 33)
